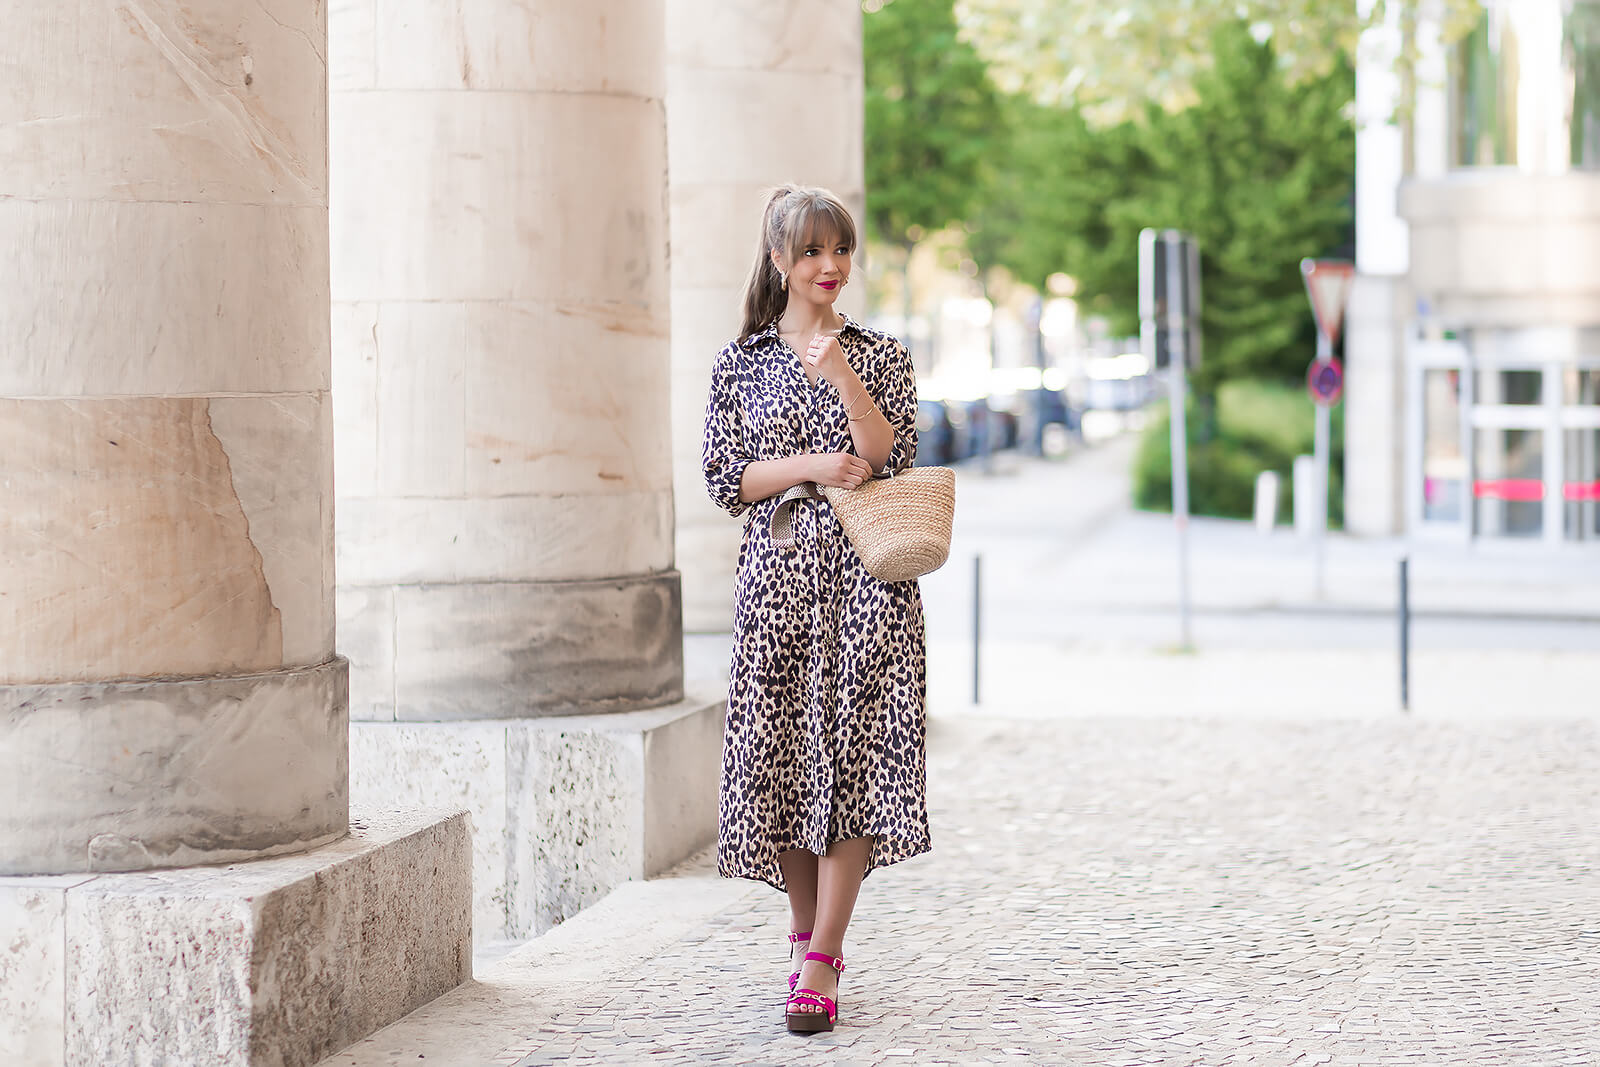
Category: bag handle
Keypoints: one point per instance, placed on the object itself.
(782, 515)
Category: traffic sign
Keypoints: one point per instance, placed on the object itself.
(1325, 381)
(1328, 284)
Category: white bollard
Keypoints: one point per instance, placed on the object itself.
(1305, 496)
(1266, 501)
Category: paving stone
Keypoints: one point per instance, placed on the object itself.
(1172, 891)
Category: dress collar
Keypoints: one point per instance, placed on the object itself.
(770, 330)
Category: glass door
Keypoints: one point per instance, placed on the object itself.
(1438, 473)
(1510, 421)
(1580, 453)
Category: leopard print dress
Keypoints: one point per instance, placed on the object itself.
(826, 730)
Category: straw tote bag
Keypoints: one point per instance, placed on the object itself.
(899, 524)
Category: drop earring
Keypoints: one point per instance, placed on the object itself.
(783, 281)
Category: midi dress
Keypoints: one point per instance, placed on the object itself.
(826, 729)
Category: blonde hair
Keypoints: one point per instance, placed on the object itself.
(794, 215)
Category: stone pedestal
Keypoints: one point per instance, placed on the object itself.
(759, 92)
(277, 961)
(564, 809)
(500, 357)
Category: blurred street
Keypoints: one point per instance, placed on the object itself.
(1244, 855)
(1080, 611)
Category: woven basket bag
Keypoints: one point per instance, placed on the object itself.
(899, 524)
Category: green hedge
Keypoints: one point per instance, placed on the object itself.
(1259, 426)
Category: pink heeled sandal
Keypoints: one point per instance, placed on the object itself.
(810, 1022)
(795, 937)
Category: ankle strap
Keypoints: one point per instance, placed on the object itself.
(797, 936)
(832, 961)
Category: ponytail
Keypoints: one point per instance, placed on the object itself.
(791, 214)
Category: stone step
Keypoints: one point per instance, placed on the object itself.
(280, 960)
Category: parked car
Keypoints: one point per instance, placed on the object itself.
(935, 438)
(1051, 421)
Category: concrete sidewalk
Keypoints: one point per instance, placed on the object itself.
(1080, 613)
(1241, 854)
(1116, 891)
(1063, 536)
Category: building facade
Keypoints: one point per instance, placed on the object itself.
(1474, 344)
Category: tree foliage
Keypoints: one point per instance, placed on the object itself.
(1110, 58)
(1262, 172)
(933, 119)
(1259, 169)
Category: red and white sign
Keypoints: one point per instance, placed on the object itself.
(1328, 283)
(1325, 381)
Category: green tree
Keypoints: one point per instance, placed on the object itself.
(1109, 58)
(1044, 207)
(932, 116)
(1260, 170)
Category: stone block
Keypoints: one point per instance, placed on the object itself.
(509, 649)
(366, 635)
(490, 212)
(33, 966)
(154, 774)
(599, 46)
(279, 961)
(502, 539)
(808, 36)
(354, 335)
(591, 436)
(433, 765)
(292, 532)
(567, 808)
(1484, 243)
(244, 284)
(175, 553)
(575, 827)
(732, 109)
(182, 103)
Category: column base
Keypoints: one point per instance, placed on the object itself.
(565, 809)
(283, 960)
(172, 772)
(508, 650)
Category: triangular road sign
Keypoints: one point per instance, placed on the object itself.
(1328, 282)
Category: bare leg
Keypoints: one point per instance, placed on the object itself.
(799, 868)
(839, 875)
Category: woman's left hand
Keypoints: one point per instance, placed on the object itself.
(825, 357)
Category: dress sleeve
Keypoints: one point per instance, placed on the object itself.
(723, 456)
(898, 403)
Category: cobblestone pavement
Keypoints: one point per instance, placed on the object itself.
(1121, 892)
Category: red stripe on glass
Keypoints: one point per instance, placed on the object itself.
(1520, 490)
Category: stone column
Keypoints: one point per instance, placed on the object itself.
(169, 693)
(501, 367)
(500, 358)
(759, 92)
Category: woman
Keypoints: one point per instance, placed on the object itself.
(823, 771)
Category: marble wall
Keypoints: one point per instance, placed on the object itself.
(500, 311)
(165, 424)
(759, 93)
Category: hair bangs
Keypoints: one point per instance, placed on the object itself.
(819, 220)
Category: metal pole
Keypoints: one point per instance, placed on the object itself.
(1177, 335)
(977, 623)
(1405, 633)
(1320, 451)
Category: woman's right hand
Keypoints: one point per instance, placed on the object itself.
(840, 469)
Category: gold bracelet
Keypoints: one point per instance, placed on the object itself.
(871, 407)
